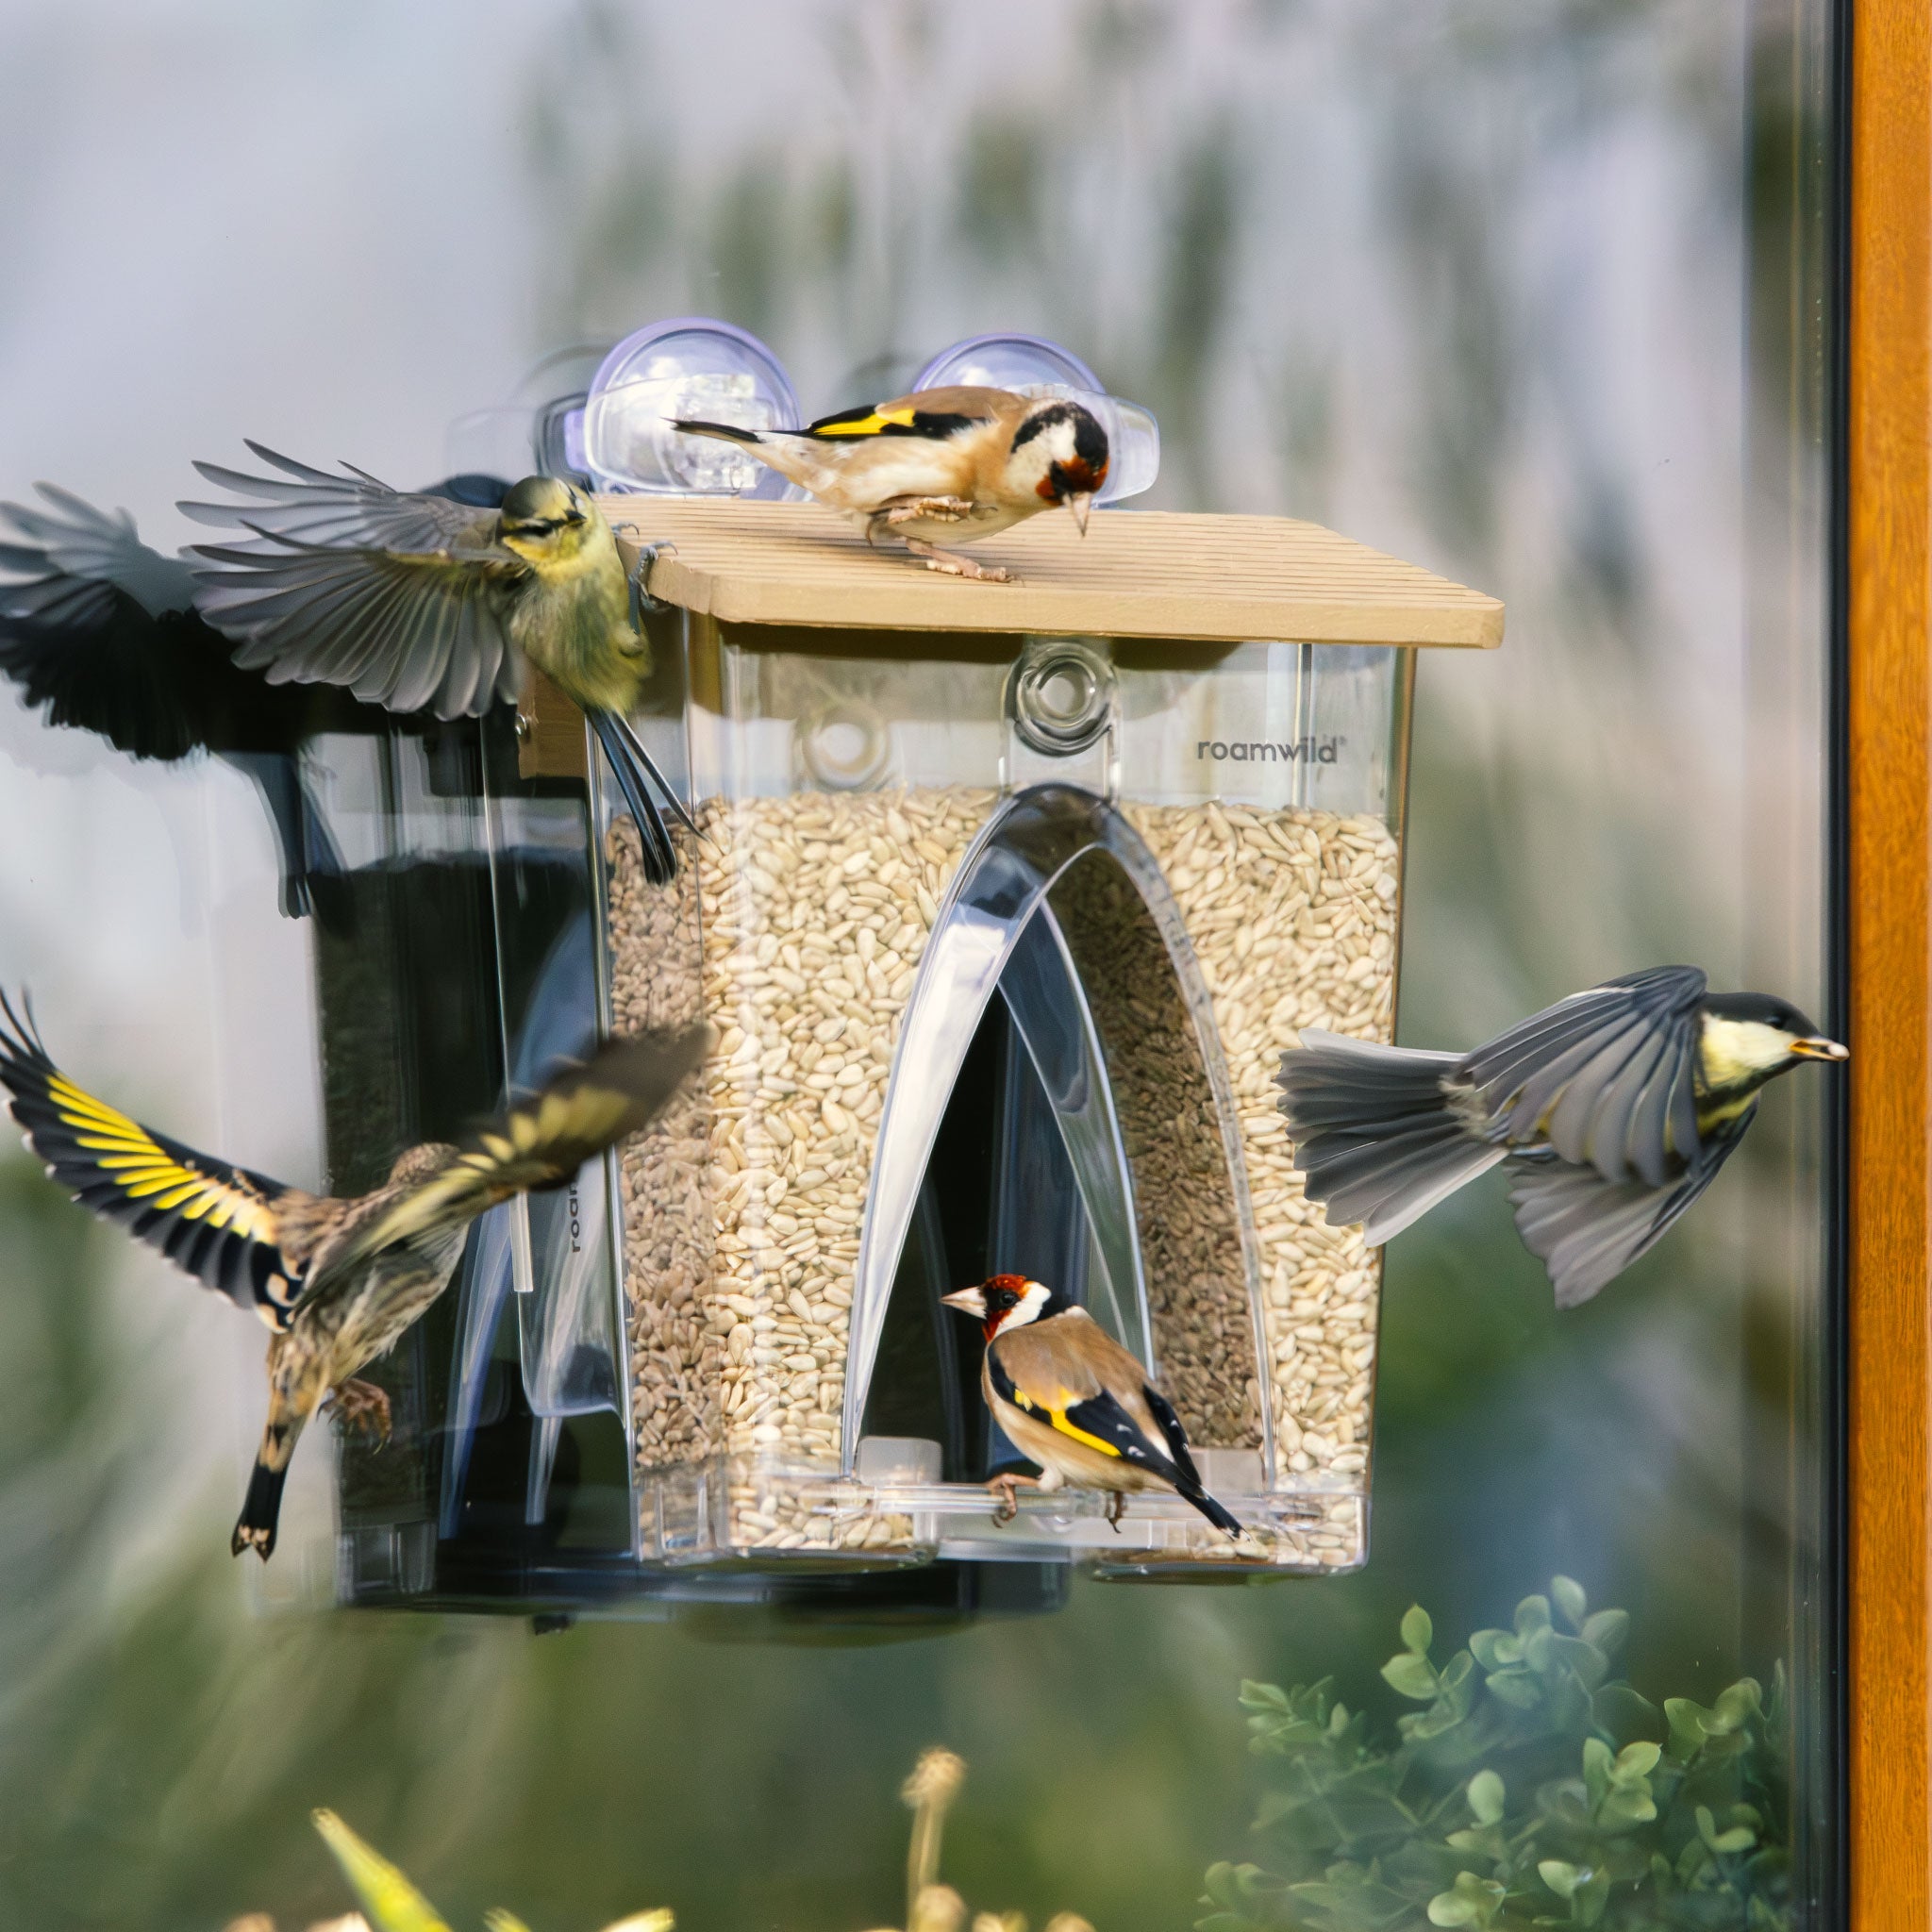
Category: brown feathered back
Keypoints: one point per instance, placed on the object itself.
(961, 399)
(1069, 1357)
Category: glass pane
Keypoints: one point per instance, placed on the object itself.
(1537, 298)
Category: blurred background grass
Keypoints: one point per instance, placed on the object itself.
(1531, 295)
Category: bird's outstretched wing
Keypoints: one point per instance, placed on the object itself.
(352, 510)
(540, 1142)
(934, 413)
(395, 596)
(215, 1222)
(1605, 1078)
(1587, 1230)
(87, 545)
(91, 630)
(1099, 1421)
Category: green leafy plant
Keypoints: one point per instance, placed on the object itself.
(1532, 1789)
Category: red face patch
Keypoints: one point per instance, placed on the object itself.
(1004, 1294)
(1074, 477)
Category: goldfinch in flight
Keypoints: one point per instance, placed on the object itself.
(1071, 1399)
(1612, 1110)
(416, 600)
(957, 464)
(101, 633)
(336, 1281)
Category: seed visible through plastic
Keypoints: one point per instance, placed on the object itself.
(744, 1204)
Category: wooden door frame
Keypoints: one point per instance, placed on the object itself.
(1887, 791)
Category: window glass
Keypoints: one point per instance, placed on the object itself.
(1536, 298)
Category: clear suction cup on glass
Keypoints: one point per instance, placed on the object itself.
(539, 428)
(695, 367)
(1034, 366)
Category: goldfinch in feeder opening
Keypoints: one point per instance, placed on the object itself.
(941, 464)
(1611, 1110)
(336, 1281)
(1071, 1399)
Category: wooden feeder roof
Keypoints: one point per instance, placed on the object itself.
(1136, 573)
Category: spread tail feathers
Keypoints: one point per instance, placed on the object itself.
(260, 1509)
(1374, 1135)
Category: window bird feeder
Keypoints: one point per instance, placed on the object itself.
(1008, 901)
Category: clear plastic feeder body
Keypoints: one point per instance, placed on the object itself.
(1005, 936)
(462, 961)
(837, 789)
(1269, 790)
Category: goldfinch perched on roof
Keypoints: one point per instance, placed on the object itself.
(952, 464)
(415, 600)
(1612, 1110)
(336, 1281)
(1073, 1400)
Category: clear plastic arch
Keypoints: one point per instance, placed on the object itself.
(1000, 889)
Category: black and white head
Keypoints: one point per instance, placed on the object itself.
(1007, 1301)
(1750, 1037)
(1059, 452)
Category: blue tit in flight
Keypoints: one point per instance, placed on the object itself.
(1611, 1111)
(416, 600)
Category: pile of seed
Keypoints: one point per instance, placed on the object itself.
(1292, 918)
(676, 1353)
(1191, 1243)
(1321, 1532)
(816, 908)
(744, 1204)
(807, 1515)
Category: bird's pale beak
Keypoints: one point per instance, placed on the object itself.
(969, 1301)
(1816, 1048)
(1082, 508)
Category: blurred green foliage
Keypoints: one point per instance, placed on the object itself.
(1534, 1788)
(393, 1904)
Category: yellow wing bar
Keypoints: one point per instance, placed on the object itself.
(873, 423)
(540, 1142)
(218, 1223)
(137, 1164)
(1059, 1418)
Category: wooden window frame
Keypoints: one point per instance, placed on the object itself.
(1887, 797)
